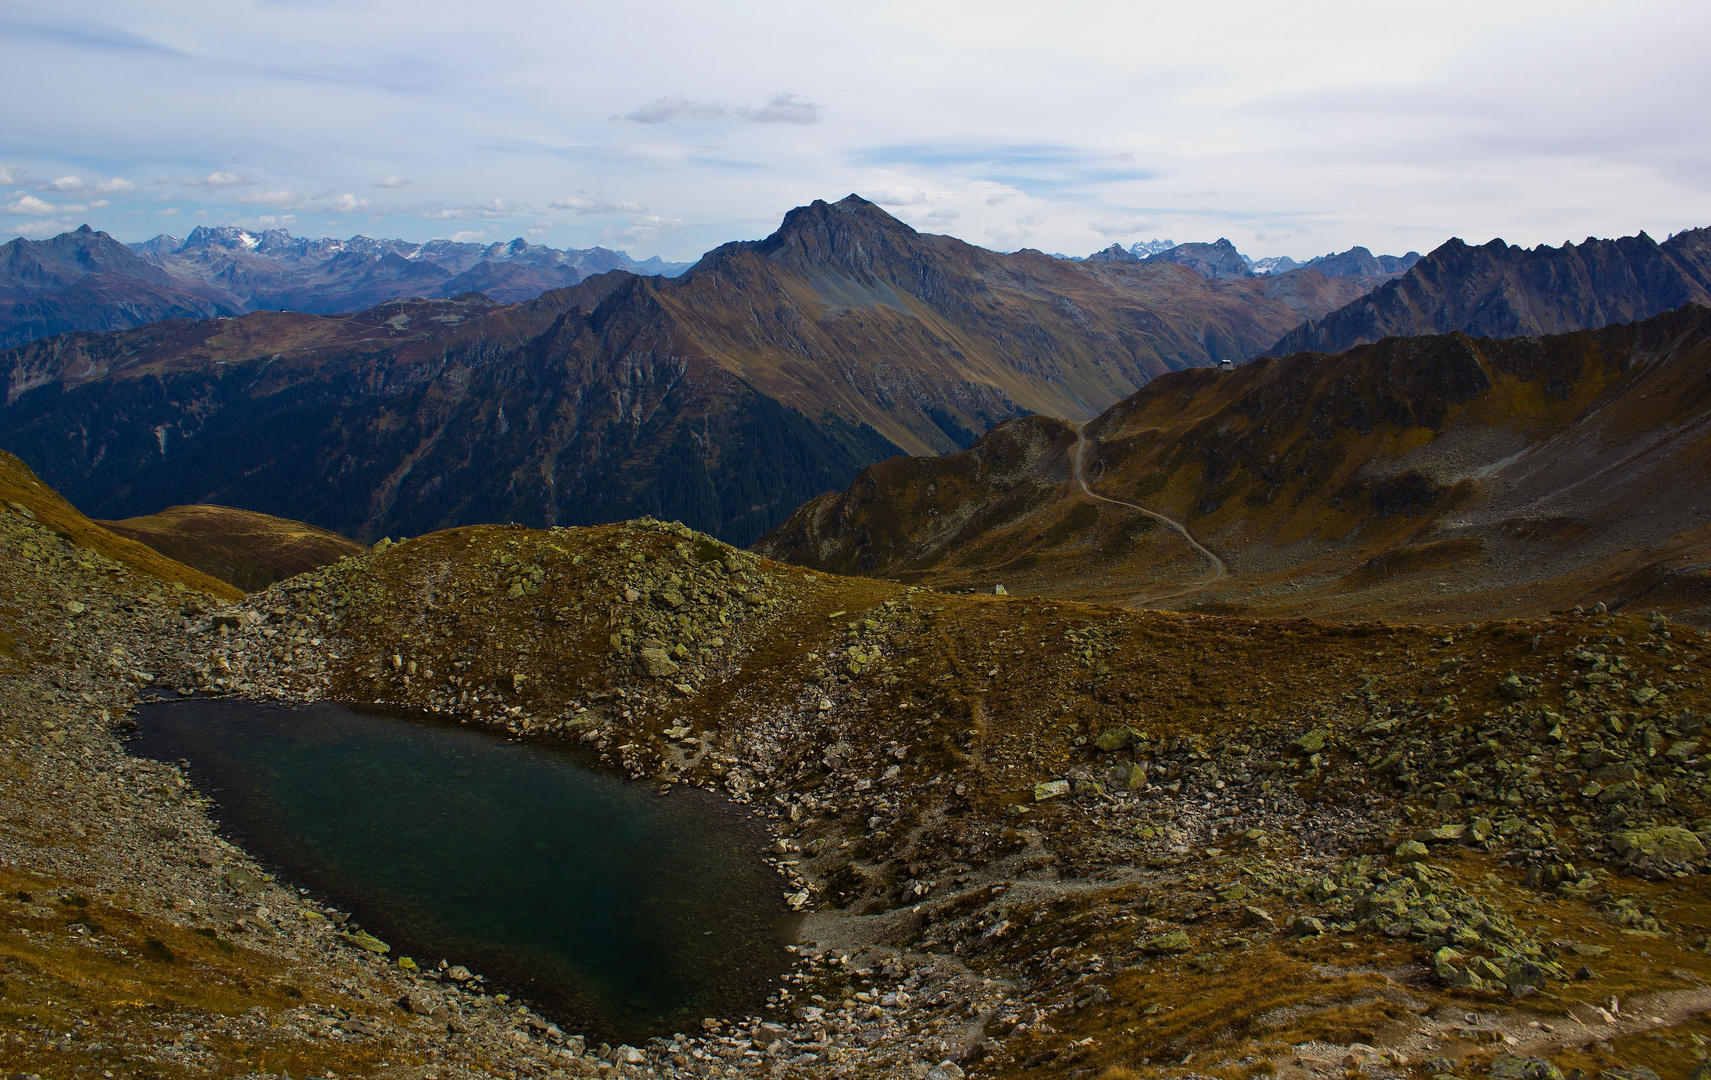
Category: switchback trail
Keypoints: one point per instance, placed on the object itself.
(1219, 569)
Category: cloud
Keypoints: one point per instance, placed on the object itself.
(282, 199)
(43, 228)
(667, 110)
(780, 108)
(578, 205)
(647, 229)
(267, 221)
(7, 176)
(942, 216)
(468, 236)
(1125, 225)
(348, 203)
(170, 211)
(1011, 236)
(391, 182)
(29, 204)
(215, 180)
(901, 195)
(542, 227)
(69, 184)
(786, 109)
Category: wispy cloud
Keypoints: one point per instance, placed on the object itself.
(73, 184)
(901, 195)
(492, 209)
(780, 108)
(281, 199)
(86, 35)
(1124, 225)
(216, 180)
(391, 182)
(576, 204)
(785, 109)
(667, 110)
(468, 236)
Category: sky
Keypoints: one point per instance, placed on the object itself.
(668, 128)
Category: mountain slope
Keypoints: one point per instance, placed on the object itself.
(84, 280)
(28, 497)
(247, 549)
(769, 373)
(1417, 477)
(1502, 291)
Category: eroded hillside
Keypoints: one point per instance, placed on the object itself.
(1432, 478)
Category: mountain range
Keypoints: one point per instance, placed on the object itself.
(769, 372)
(1431, 478)
(1222, 261)
(1500, 290)
(86, 280)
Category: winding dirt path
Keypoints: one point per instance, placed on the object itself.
(1220, 569)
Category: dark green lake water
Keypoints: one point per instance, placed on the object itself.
(619, 913)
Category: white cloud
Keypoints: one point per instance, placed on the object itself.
(468, 236)
(786, 109)
(7, 175)
(942, 216)
(216, 180)
(29, 204)
(668, 110)
(66, 183)
(901, 195)
(542, 227)
(44, 228)
(578, 205)
(115, 186)
(391, 182)
(168, 212)
(282, 199)
(348, 203)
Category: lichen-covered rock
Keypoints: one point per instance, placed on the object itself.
(1668, 843)
(1508, 1067)
(1167, 944)
(1410, 851)
(657, 662)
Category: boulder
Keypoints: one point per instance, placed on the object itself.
(1050, 789)
(1410, 851)
(1668, 843)
(657, 663)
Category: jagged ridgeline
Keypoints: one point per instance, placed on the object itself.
(770, 372)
